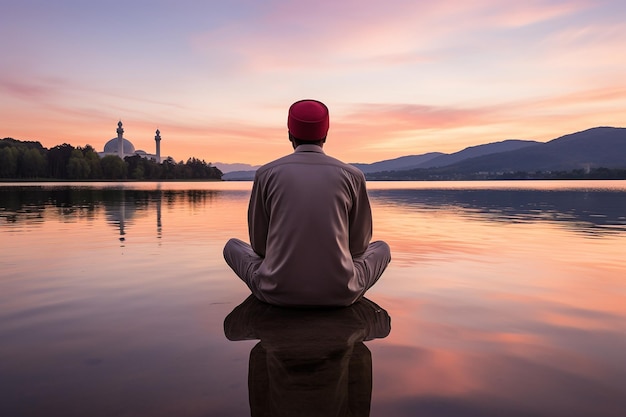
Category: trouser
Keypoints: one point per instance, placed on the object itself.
(244, 262)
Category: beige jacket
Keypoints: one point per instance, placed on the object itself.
(309, 216)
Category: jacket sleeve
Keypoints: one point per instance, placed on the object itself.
(360, 219)
(258, 218)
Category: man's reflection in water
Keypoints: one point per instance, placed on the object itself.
(309, 362)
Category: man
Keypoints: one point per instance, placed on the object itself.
(310, 224)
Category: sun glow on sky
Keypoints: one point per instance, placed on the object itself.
(400, 77)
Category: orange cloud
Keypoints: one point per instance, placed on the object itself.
(409, 117)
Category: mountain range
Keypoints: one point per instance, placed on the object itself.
(599, 147)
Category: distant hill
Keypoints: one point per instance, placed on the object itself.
(593, 148)
(399, 164)
(439, 159)
(600, 147)
(476, 151)
(226, 168)
(239, 176)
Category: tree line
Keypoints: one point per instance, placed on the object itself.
(30, 160)
(434, 174)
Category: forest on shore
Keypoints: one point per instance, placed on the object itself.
(29, 160)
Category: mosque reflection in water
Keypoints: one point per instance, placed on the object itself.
(309, 361)
(121, 206)
(121, 212)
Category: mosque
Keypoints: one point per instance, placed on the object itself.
(122, 147)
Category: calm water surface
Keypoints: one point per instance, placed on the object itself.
(502, 299)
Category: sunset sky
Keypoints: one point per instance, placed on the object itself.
(400, 77)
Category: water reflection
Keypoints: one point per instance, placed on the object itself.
(32, 205)
(119, 212)
(595, 212)
(309, 362)
(589, 211)
(499, 309)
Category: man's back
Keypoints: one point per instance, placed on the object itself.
(310, 224)
(309, 216)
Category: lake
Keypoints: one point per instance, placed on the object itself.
(502, 299)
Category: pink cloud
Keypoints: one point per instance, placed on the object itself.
(28, 89)
(347, 35)
(298, 35)
(395, 118)
(415, 116)
(530, 12)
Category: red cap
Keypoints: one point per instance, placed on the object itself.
(308, 120)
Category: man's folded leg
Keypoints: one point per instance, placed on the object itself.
(242, 260)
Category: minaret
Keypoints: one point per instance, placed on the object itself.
(157, 139)
(120, 140)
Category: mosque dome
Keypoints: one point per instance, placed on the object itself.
(111, 146)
